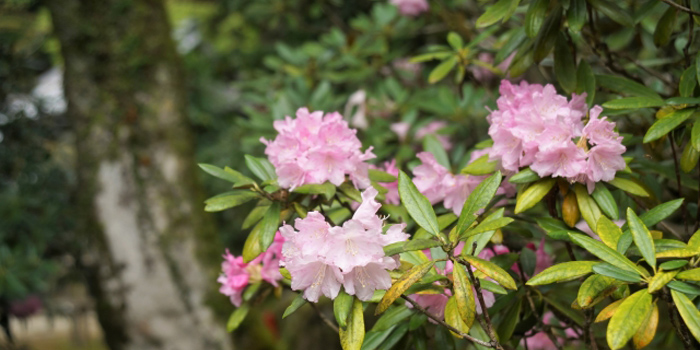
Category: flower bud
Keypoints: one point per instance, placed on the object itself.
(569, 209)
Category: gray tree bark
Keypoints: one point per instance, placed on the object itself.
(153, 256)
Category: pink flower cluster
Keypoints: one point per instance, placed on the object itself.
(438, 184)
(411, 7)
(237, 275)
(320, 257)
(534, 126)
(315, 148)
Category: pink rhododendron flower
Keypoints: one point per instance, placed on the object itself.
(401, 129)
(237, 275)
(432, 128)
(321, 258)
(534, 126)
(411, 7)
(315, 148)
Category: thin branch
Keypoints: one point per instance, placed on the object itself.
(325, 319)
(444, 324)
(686, 49)
(678, 179)
(681, 7)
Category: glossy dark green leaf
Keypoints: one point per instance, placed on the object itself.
(688, 82)
(547, 36)
(524, 176)
(625, 86)
(269, 225)
(510, 320)
(564, 64)
(687, 288)
(663, 126)
(585, 80)
(418, 205)
(606, 269)
(576, 15)
(665, 26)
(535, 16)
(613, 11)
(678, 101)
(673, 264)
(605, 201)
(261, 167)
(478, 199)
(392, 317)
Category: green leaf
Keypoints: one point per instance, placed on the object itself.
(562, 272)
(229, 200)
(444, 220)
(608, 232)
(352, 336)
(524, 176)
(633, 103)
(237, 317)
(576, 15)
(587, 206)
(642, 238)
(482, 239)
(298, 302)
(496, 12)
(604, 253)
(486, 226)
(672, 265)
(270, 223)
(478, 199)
(665, 26)
(442, 69)
(610, 9)
(689, 313)
(688, 82)
(544, 42)
(585, 80)
(464, 295)
(349, 190)
(342, 305)
(695, 136)
(565, 309)
(533, 195)
(564, 64)
(687, 288)
(492, 270)
(455, 41)
(689, 275)
(678, 101)
(535, 16)
(606, 269)
(492, 287)
(254, 216)
(326, 189)
(227, 174)
(261, 167)
(660, 212)
(406, 280)
(432, 145)
(441, 55)
(381, 176)
(605, 201)
(663, 126)
(660, 280)
(481, 166)
(418, 205)
(414, 244)
(392, 317)
(629, 186)
(625, 86)
(628, 318)
(515, 40)
(510, 320)
(689, 158)
(594, 289)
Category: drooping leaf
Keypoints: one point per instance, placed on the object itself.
(647, 330)
(594, 289)
(613, 11)
(689, 313)
(269, 225)
(689, 158)
(608, 311)
(564, 64)
(510, 320)
(418, 205)
(576, 15)
(642, 237)
(547, 36)
(665, 26)
(562, 272)
(628, 318)
(453, 316)
(688, 82)
(587, 205)
(464, 295)
(492, 270)
(402, 284)
(533, 195)
(663, 126)
(535, 16)
(585, 79)
(229, 200)
(298, 302)
(625, 86)
(352, 336)
(237, 317)
(695, 136)
(342, 305)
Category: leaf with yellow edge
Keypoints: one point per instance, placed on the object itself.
(608, 311)
(562, 272)
(587, 206)
(594, 289)
(678, 253)
(533, 195)
(464, 294)
(404, 282)
(688, 311)
(630, 315)
(492, 270)
(352, 336)
(646, 332)
(689, 275)
(608, 232)
(453, 317)
(661, 279)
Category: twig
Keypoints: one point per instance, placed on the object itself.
(325, 319)
(444, 324)
(681, 7)
(589, 329)
(678, 179)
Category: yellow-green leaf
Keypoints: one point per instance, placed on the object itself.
(442, 69)
(665, 26)
(496, 12)
(604, 252)
(342, 305)
(563, 272)
(464, 295)
(608, 311)
(352, 336)
(481, 166)
(404, 282)
(629, 186)
(298, 302)
(229, 200)
(492, 270)
(688, 311)
(628, 318)
(689, 275)
(587, 206)
(689, 158)
(533, 195)
(633, 103)
(453, 317)
(608, 232)
(678, 253)
(642, 238)
(646, 332)
(237, 317)
(660, 279)
(663, 126)
(594, 289)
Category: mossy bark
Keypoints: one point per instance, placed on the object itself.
(149, 266)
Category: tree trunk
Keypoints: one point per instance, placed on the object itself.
(152, 256)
